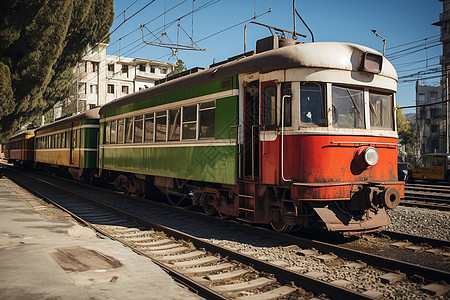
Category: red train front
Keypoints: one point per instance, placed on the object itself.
(319, 141)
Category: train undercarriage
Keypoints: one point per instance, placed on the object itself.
(280, 207)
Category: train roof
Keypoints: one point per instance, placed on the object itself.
(90, 114)
(326, 55)
(23, 133)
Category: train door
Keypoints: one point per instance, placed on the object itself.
(251, 131)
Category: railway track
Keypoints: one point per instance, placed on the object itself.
(430, 196)
(202, 265)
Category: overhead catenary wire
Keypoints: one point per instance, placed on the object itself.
(161, 28)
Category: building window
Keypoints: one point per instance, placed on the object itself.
(111, 67)
(152, 69)
(434, 128)
(93, 89)
(435, 145)
(124, 89)
(164, 70)
(110, 88)
(125, 70)
(421, 97)
(142, 67)
(433, 96)
(94, 67)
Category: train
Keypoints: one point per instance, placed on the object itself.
(292, 135)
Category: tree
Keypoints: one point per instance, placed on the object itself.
(40, 43)
(179, 67)
(406, 133)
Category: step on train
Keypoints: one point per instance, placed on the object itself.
(293, 135)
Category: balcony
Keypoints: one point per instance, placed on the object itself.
(445, 59)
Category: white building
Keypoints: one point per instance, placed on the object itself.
(103, 78)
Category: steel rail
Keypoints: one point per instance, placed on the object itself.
(200, 289)
(282, 274)
(371, 259)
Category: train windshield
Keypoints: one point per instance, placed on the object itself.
(381, 110)
(312, 99)
(348, 107)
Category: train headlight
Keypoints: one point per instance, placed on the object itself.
(370, 156)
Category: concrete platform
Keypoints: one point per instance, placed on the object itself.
(30, 245)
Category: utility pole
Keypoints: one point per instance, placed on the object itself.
(384, 40)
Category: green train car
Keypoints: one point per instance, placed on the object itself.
(70, 145)
(292, 135)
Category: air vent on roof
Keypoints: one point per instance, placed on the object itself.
(178, 75)
(233, 58)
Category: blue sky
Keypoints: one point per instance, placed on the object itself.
(399, 21)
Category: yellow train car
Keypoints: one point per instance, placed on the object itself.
(70, 144)
(432, 167)
(19, 149)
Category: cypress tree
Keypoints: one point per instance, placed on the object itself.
(40, 43)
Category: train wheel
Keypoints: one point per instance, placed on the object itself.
(278, 223)
(209, 209)
(224, 216)
(280, 226)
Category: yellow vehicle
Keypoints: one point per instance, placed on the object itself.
(433, 167)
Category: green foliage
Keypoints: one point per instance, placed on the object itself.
(179, 67)
(40, 43)
(406, 133)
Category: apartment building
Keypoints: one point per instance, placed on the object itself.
(431, 120)
(101, 78)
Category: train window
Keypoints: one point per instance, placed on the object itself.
(58, 141)
(107, 132)
(138, 125)
(424, 162)
(174, 120)
(207, 119)
(189, 122)
(63, 140)
(287, 91)
(148, 128)
(120, 131)
(161, 126)
(74, 139)
(438, 161)
(312, 100)
(114, 132)
(128, 130)
(381, 110)
(67, 139)
(78, 138)
(348, 107)
(269, 113)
